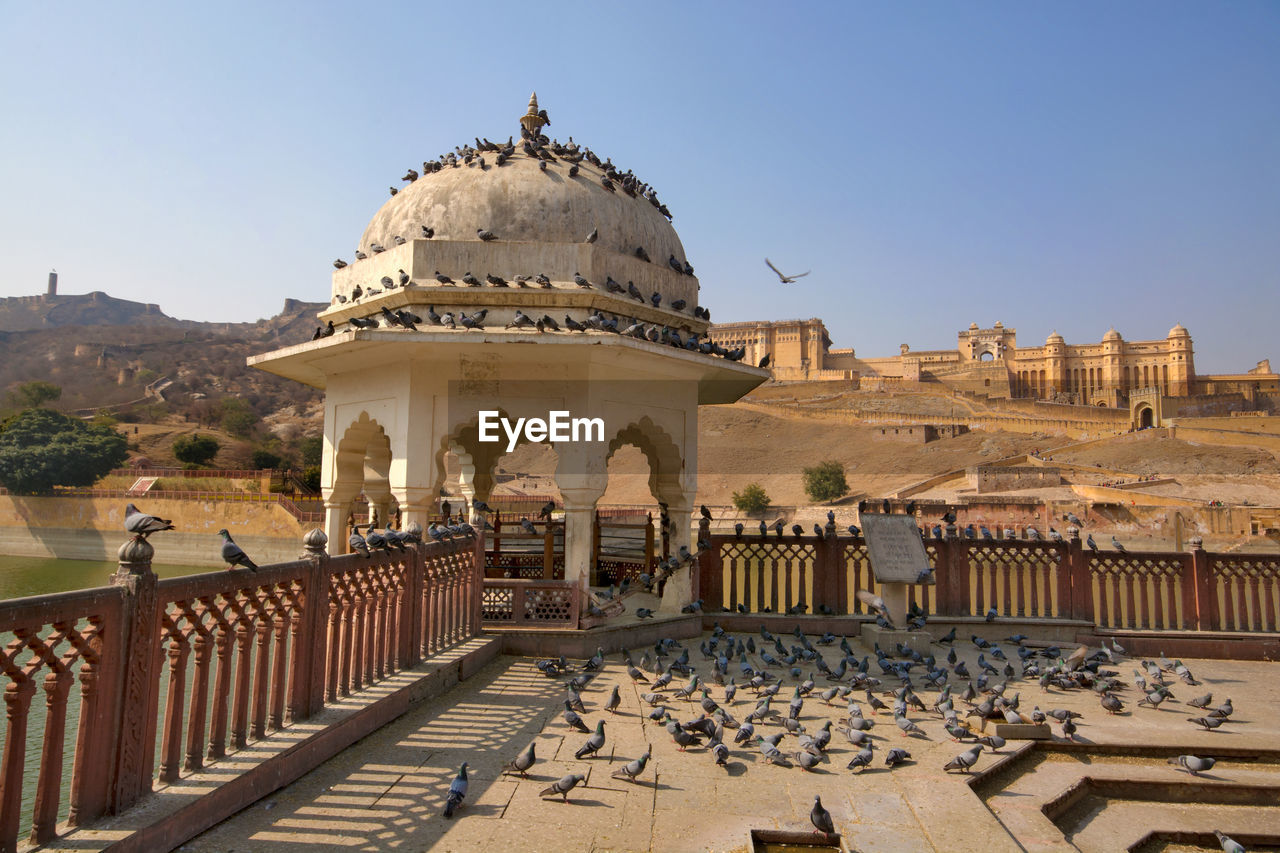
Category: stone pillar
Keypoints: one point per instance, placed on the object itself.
(335, 525)
(678, 590)
(416, 505)
(579, 526)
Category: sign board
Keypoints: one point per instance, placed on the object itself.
(894, 548)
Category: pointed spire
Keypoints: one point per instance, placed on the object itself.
(534, 118)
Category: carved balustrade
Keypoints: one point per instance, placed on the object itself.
(529, 604)
(185, 671)
(1021, 579)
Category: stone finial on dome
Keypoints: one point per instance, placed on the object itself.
(534, 118)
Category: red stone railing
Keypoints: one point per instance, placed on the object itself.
(1148, 591)
(515, 603)
(203, 665)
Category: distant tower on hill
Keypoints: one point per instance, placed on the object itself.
(53, 284)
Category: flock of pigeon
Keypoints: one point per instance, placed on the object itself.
(937, 530)
(788, 733)
(544, 151)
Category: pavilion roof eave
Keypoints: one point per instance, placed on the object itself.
(312, 362)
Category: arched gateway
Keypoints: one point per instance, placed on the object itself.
(537, 239)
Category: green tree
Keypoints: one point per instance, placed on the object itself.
(33, 395)
(238, 418)
(310, 449)
(751, 499)
(40, 449)
(825, 481)
(195, 449)
(311, 476)
(264, 459)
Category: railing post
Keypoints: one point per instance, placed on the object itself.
(1081, 582)
(1199, 591)
(477, 584)
(648, 542)
(945, 576)
(548, 552)
(826, 575)
(138, 700)
(711, 576)
(1066, 603)
(306, 691)
(411, 605)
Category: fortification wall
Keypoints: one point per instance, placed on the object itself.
(986, 479)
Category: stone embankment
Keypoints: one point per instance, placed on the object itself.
(92, 528)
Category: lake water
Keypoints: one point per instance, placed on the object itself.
(23, 576)
(26, 576)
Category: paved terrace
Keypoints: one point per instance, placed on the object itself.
(387, 791)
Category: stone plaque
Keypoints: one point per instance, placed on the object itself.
(894, 548)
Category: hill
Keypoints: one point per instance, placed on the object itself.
(138, 362)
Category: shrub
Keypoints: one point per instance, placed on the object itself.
(751, 499)
(264, 459)
(195, 449)
(825, 481)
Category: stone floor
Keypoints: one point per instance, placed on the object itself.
(387, 792)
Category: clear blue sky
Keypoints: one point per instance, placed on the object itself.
(1055, 166)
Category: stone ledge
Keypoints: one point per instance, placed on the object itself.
(176, 813)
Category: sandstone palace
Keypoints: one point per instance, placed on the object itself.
(989, 361)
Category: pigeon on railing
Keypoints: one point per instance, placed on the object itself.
(233, 555)
(142, 525)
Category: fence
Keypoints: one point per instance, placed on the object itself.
(235, 656)
(518, 603)
(1150, 591)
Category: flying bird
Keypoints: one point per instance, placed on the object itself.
(785, 279)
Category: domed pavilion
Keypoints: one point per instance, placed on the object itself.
(522, 277)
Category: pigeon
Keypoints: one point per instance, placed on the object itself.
(339, 264)
(895, 757)
(593, 744)
(785, 279)
(591, 238)
(356, 542)
(821, 818)
(993, 742)
(1229, 844)
(485, 235)
(632, 769)
(861, 760)
(615, 699)
(563, 786)
(232, 554)
(1093, 546)
(142, 525)
(964, 760)
(572, 719)
(1193, 764)
(522, 762)
(1209, 723)
(457, 791)
(1115, 543)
